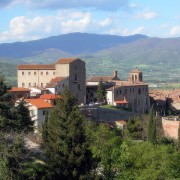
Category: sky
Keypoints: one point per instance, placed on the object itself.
(24, 20)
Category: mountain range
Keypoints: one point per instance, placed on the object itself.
(158, 58)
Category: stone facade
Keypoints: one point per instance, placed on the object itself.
(132, 94)
(41, 75)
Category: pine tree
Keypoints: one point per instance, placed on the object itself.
(21, 117)
(152, 128)
(100, 94)
(64, 141)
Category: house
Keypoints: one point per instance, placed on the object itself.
(19, 92)
(38, 109)
(70, 72)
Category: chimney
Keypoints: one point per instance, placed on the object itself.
(115, 73)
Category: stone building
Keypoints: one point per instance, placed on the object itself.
(70, 70)
(132, 94)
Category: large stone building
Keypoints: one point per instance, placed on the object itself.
(71, 72)
(132, 94)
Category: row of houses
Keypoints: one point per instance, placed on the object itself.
(41, 84)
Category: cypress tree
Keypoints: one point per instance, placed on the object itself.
(64, 141)
(100, 94)
(152, 128)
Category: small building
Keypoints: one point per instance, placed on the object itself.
(121, 124)
(38, 109)
(19, 92)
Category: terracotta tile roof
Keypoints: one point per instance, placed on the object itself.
(50, 96)
(122, 122)
(135, 71)
(18, 89)
(101, 78)
(121, 102)
(36, 67)
(54, 81)
(66, 60)
(39, 103)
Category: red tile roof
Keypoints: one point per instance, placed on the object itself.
(101, 78)
(36, 67)
(66, 60)
(39, 103)
(54, 81)
(121, 102)
(19, 89)
(122, 122)
(50, 96)
(135, 71)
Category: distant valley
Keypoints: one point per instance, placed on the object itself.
(158, 58)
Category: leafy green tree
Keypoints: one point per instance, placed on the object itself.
(65, 142)
(134, 128)
(143, 160)
(100, 94)
(106, 149)
(152, 128)
(178, 143)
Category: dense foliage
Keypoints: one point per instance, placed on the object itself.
(76, 148)
(64, 141)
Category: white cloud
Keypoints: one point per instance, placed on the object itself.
(23, 28)
(146, 15)
(175, 31)
(138, 30)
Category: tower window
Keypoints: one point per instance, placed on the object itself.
(23, 73)
(46, 73)
(41, 73)
(29, 73)
(75, 77)
(34, 73)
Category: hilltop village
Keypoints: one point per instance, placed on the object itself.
(42, 84)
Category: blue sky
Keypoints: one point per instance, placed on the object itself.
(24, 20)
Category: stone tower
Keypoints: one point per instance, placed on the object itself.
(135, 76)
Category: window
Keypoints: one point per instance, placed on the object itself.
(23, 84)
(75, 77)
(29, 73)
(41, 84)
(44, 112)
(23, 73)
(29, 84)
(46, 73)
(91, 94)
(54, 73)
(78, 86)
(117, 93)
(41, 73)
(125, 91)
(34, 84)
(139, 91)
(34, 73)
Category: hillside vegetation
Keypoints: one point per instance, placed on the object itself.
(158, 58)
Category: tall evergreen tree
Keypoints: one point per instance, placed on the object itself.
(21, 117)
(100, 94)
(152, 128)
(64, 141)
